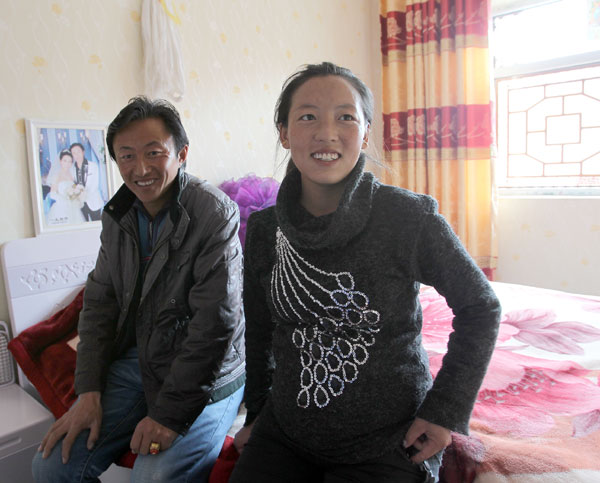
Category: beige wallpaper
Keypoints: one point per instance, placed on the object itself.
(550, 242)
(81, 60)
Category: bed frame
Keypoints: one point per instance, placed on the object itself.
(43, 274)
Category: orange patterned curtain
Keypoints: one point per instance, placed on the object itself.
(438, 114)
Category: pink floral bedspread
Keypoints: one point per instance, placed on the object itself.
(537, 416)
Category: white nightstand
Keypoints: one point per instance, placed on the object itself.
(23, 424)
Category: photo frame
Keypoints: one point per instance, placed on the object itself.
(70, 172)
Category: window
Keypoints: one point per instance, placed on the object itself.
(549, 130)
(547, 70)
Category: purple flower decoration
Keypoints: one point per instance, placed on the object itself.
(251, 193)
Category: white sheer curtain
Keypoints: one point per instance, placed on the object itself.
(163, 66)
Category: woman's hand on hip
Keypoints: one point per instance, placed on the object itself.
(427, 438)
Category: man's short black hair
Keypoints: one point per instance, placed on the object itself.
(79, 145)
(140, 108)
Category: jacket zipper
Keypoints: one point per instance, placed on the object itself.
(137, 270)
(153, 252)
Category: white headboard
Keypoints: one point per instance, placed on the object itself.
(43, 274)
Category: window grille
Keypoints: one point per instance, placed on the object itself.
(549, 130)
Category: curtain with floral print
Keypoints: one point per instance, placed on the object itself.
(437, 112)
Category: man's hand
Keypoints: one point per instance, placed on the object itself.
(428, 438)
(242, 436)
(149, 431)
(86, 413)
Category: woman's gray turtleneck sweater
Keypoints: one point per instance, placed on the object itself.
(333, 320)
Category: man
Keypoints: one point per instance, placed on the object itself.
(86, 174)
(165, 291)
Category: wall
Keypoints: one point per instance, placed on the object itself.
(550, 242)
(81, 60)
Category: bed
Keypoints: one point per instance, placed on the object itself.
(537, 417)
(43, 275)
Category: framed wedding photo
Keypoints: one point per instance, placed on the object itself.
(71, 175)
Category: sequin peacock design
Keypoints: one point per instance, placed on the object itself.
(335, 326)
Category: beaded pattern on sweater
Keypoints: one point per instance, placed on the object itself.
(335, 326)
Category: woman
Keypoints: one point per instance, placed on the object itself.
(338, 382)
(66, 209)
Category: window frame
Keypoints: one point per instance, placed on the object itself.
(549, 66)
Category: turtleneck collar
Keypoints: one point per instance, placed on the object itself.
(329, 231)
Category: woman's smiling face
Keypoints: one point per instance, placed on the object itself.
(66, 161)
(326, 131)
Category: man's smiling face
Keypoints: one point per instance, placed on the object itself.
(148, 161)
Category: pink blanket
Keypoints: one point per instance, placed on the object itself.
(537, 416)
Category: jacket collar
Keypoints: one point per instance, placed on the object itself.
(329, 231)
